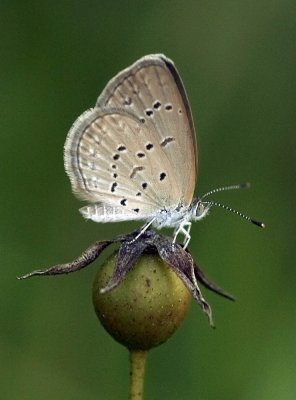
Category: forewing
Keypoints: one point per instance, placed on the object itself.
(151, 89)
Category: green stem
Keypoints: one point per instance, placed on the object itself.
(137, 373)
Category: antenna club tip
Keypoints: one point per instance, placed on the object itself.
(258, 223)
(245, 185)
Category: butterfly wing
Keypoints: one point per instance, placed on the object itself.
(152, 90)
(135, 152)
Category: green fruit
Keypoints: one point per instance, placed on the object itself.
(148, 305)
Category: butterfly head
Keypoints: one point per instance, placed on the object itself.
(199, 209)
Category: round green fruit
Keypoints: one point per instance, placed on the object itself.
(148, 305)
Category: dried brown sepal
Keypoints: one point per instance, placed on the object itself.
(86, 258)
(201, 277)
(131, 248)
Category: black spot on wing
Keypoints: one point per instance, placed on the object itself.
(167, 140)
(149, 112)
(140, 154)
(149, 146)
(121, 148)
(113, 187)
(135, 170)
(156, 105)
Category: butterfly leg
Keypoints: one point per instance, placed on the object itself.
(143, 229)
(183, 228)
(186, 232)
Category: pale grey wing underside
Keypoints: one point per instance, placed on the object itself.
(134, 154)
(112, 158)
(151, 89)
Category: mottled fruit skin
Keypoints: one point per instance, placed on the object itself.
(146, 308)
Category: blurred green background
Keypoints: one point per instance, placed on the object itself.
(237, 60)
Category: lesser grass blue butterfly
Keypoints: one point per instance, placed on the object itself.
(134, 155)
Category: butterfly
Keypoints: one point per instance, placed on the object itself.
(134, 155)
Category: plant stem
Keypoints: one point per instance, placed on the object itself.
(137, 373)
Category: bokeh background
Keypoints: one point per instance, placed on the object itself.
(237, 60)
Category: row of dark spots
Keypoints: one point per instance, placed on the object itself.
(149, 112)
(123, 203)
(140, 154)
(169, 107)
(162, 176)
(156, 106)
(128, 102)
(121, 148)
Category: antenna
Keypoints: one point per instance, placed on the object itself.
(213, 203)
(245, 185)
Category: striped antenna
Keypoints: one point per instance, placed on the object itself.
(240, 214)
(245, 185)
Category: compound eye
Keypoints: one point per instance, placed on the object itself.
(199, 209)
